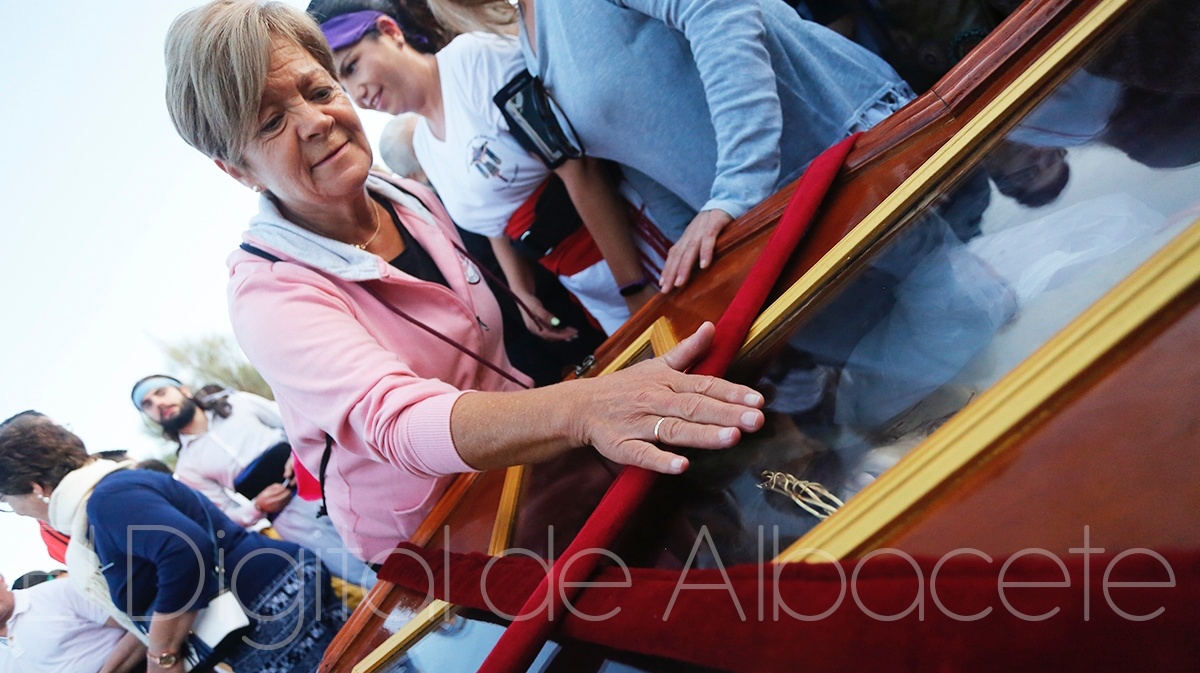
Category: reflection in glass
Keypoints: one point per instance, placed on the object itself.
(1083, 189)
(458, 644)
(1076, 195)
(461, 644)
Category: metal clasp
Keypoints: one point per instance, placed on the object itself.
(583, 367)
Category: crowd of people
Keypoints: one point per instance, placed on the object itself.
(601, 144)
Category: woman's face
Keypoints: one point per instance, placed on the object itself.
(27, 504)
(309, 148)
(378, 71)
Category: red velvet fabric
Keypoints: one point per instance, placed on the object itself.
(895, 614)
(522, 640)
(740, 314)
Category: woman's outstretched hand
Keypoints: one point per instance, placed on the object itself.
(631, 414)
(696, 246)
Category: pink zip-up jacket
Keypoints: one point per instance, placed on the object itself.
(341, 363)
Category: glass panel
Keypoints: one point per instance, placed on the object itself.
(922, 40)
(461, 644)
(557, 496)
(1077, 194)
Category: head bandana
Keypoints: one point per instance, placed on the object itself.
(345, 30)
(142, 388)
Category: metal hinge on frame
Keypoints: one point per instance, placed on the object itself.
(585, 366)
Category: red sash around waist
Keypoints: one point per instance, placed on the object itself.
(573, 254)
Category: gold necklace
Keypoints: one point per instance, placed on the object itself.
(378, 225)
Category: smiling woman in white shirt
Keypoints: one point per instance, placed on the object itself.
(572, 217)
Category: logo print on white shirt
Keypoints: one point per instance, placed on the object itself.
(483, 159)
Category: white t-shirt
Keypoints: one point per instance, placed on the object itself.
(54, 629)
(8, 664)
(480, 171)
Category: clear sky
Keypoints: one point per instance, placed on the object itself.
(114, 233)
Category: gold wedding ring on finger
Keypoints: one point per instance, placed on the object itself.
(658, 425)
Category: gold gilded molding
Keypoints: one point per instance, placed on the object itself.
(429, 617)
(976, 131)
(998, 412)
(506, 513)
(656, 340)
(417, 628)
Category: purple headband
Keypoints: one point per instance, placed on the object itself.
(345, 30)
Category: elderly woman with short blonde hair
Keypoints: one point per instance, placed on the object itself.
(354, 298)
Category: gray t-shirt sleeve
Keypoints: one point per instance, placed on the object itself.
(726, 40)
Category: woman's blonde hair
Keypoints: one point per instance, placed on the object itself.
(218, 56)
(468, 16)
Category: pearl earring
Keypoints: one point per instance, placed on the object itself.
(45, 499)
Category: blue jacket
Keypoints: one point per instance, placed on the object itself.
(153, 540)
